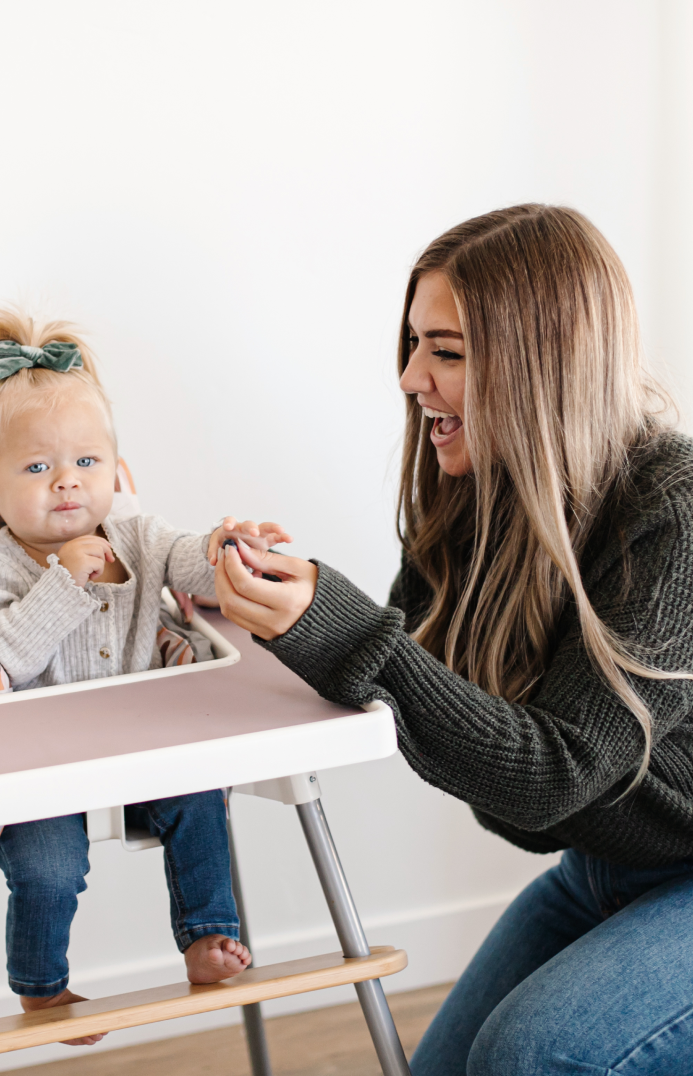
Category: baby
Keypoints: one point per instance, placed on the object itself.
(79, 599)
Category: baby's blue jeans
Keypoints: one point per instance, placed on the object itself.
(588, 973)
(45, 863)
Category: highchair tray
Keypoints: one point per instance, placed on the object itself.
(225, 653)
(167, 735)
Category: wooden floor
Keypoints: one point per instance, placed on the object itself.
(327, 1042)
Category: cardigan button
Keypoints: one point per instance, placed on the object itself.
(105, 652)
(104, 607)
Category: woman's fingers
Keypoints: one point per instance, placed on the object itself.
(268, 609)
(263, 560)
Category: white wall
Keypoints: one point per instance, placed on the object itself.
(229, 196)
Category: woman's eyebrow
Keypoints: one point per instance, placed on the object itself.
(433, 333)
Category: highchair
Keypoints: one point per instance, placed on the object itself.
(357, 963)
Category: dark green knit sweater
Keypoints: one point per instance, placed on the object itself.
(544, 775)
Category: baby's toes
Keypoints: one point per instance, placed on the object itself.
(234, 955)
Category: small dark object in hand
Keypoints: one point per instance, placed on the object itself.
(271, 578)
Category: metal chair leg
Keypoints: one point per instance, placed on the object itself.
(252, 1014)
(351, 936)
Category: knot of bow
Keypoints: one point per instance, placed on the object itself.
(57, 355)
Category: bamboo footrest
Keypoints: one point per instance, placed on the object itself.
(184, 999)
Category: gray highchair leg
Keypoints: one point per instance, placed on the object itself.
(252, 1014)
(351, 936)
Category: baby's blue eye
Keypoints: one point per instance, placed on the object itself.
(36, 468)
(85, 461)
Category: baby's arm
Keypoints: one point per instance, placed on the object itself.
(32, 625)
(191, 562)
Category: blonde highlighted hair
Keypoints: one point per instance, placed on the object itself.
(36, 386)
(557, 399)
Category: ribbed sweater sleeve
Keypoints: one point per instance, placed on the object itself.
(533, 765)
(188, 568)
(32, 627)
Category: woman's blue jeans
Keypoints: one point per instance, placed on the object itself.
(45, 864)
(589, 972)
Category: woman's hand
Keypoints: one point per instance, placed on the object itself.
(259, 536)
(267, 609)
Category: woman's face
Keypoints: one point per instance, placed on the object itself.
(436, 369)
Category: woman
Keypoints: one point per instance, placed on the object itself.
(538, 647)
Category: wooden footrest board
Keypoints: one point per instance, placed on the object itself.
(184, 999)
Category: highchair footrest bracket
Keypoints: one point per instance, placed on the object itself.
(108, 824)
(299, 788)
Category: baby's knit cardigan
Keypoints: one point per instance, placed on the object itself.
(544, 775)
(55, 632)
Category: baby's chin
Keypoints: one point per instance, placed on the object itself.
(68, 525)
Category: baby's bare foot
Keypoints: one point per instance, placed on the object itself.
(215, 957)
(64, 998)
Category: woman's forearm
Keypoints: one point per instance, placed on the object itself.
(530, 765)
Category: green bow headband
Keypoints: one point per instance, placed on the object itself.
(58, 355)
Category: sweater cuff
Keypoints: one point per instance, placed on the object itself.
(54, 606)
(343, 634)
(74, 600)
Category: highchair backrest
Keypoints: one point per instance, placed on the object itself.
(125, 501)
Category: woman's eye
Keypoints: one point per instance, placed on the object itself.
(442, 353)
(36, 468)
(86, 461)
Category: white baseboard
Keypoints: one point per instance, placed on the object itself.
(439, 940)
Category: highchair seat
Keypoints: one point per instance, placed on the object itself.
(108, 824)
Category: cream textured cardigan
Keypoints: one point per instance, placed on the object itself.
(54, 632)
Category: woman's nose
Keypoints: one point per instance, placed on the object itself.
(417, 376)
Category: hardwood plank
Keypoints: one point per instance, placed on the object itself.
(331, 1041)
(183, 999)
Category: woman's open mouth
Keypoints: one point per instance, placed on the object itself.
(445, 426)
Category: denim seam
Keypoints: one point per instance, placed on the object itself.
(56, 987)
(181, 932)
(184, 939)
(654, 1036)
(593, 881)
(175, 884)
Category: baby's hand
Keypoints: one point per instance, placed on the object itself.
(85, 557)
(259, 536)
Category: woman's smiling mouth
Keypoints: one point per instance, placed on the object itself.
(445, 426)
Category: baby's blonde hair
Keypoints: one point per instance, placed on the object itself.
(39, 387)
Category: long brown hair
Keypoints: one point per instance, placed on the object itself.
(556, 401)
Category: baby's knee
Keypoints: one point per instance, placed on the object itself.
(49, 855)
(194, 809)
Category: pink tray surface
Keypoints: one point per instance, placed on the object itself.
(257, 693)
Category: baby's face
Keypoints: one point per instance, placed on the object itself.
(57, 473)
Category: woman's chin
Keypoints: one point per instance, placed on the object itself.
(454, 458)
